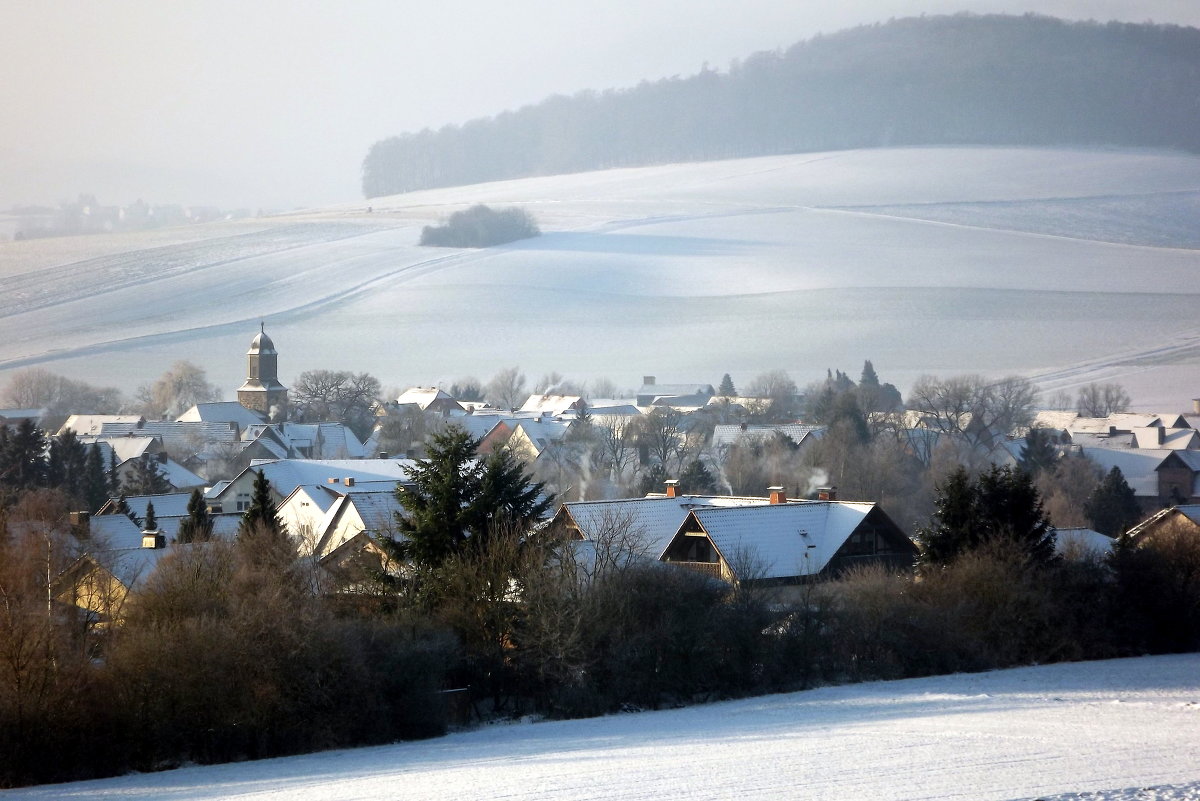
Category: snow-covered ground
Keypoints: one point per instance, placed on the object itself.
(1122, 729)
(1066, 265)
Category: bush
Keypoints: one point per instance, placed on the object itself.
(480, 227)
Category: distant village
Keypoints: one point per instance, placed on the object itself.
(698, 451)
(87, 215)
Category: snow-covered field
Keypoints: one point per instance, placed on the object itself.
(1122, 729)
(1066, 265)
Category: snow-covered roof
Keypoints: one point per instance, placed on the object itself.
(1137, 465)
(287, 474)
(725, 435)
(424, 397)
(89, 424)
(783, 540)
(126, 447)
(1082, 540)
(183, 434)
(550, 404)
(222, 412)
(653, 520)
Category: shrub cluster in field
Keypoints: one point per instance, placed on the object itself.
(480, 227)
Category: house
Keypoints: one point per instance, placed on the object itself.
(787, 542)
(285, 475)
(689, 396)
(429, 399)
(89, 425)
(1158, 477)
(1076, 542)
(228, 412)
(645, 525)
(726, 436)
(306, 511)
(1176, 520)
(552, 405)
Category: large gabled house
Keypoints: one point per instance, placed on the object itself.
(1176, 520)
(788, 542)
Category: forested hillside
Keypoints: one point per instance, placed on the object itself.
(963, 79)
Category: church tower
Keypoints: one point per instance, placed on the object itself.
(262, 391)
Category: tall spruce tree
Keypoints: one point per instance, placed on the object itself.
(453, 499)
(1002, 505)
(151, 523)
(1112, 507)
(1038, 453)
(262, 516)
(96, 490)
(198, 525)
(727, 389)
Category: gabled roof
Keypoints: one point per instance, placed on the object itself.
(655, 520)
(89, 424)
(725, 435)
(424, 397)
(126, 448)
(287, 474)
(1082, 540)
(1137, 465)
(175, 433)
(784, 540)
(550, 404)
(222, 412)
(1189, 511)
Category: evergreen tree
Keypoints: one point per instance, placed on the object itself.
(869, 378)
(123, 508)
(652, 479)
(1112, 507)
(262, 516)
(146, 478)
(198, 525)
(696, 479)
(23, 456)
(1002, 505)
(1038, 453)
(453, 497)
(114, 474)
(726, 389)
(96, 483)
(151, 523)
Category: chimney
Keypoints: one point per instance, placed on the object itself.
(348, 481)
(672, 487)
(154, 540)
(214, 509)
(80, 519)
(382, 455)
(648, 380)
(826, 493)
(1160, 433)
(332, 480)
(1196, 405)
(778, 495)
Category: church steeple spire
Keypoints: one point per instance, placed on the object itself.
(262, 391)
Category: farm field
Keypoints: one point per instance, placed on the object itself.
(1102, 731)
(1065, 265)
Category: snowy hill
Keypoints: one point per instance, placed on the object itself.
(1123, 729)
(1067, 265)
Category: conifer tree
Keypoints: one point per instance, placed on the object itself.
(1112, 507)
(1002, 505)
(151, 523)
(198, 525)
(262, 516)
(96, 489)
(454, 499)
(1038, 453)
(726, 389)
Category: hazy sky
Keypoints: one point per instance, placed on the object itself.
(273, 103)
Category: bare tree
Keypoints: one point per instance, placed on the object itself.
(339, 396)
(176, 391)
(970, 407)
(777, 394)
(1101, 400)
(506, 390)
(36, 388)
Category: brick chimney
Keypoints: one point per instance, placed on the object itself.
(672, 487)
(348, 481)
(826, 493)
(154, 540)
(778, 494)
